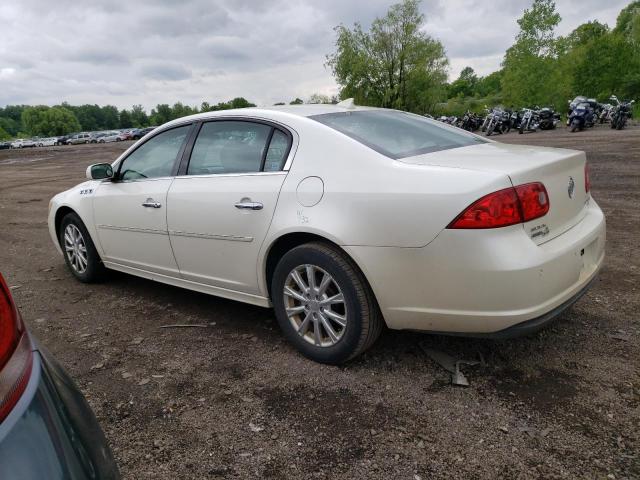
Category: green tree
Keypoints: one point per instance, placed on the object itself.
(394, 64)
(139, 117)
(125, 120)
(465, 85)
(4, 135)
(32, 118)
(529, 75)
(58, 121)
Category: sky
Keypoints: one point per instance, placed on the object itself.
(123, 52)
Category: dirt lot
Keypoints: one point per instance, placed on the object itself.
(188, 403)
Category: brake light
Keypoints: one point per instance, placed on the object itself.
(587, 178)
(505, 207)
(16, 357)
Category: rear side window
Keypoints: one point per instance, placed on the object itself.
(230, 146)
(397, 134)
(277, 152)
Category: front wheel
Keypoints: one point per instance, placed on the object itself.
(324, 305)
(79, 252)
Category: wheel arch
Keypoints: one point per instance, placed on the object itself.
(286, 242)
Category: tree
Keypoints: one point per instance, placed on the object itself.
(58, 121)
(529, 75)
(394, 64)
(125, 120)
(318, 98)
(465, 85)
(139, 117)
(4, 135)
(46, 121)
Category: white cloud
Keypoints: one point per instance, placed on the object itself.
(161, 51)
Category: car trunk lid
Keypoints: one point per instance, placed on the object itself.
(560, 170)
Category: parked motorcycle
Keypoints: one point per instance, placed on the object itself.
(498, 122)
(470, 121)
(529, 121)
(573, 104)
(581, 117)
(548, 118)
(605, 113)
(621, 112)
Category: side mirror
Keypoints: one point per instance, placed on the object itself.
(99, 171)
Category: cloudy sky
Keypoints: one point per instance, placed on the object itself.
(125, 52)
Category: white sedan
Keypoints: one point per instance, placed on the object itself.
(343, 219)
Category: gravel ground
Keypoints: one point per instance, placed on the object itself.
(233, 400)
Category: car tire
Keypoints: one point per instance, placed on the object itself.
(359, 310)
(73, 234)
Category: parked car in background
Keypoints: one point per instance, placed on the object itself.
(138, 134)
(23, 143)
(444, 231)
(47, 142)
(95, 136)
(5, 145)
(109, 137)
(127, 134)
(63, 139)
(47, 429)
(79, 138)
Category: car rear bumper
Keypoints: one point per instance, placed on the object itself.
(51, 432)
(494, 282)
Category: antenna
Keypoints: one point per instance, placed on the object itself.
(347, 104)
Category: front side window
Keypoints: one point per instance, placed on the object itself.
(156, 157)
(229, 147)
(397, 134)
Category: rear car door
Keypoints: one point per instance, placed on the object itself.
(219, 211)
(130, 213)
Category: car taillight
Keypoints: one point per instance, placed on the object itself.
(505, 207)
(16, 357)
(587, 179)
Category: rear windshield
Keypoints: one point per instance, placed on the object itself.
(397, 134)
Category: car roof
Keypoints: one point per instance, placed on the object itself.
(271, 112)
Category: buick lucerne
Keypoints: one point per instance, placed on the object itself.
(343, 219)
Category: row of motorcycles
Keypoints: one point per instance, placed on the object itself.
(499, 120)
(583, 113)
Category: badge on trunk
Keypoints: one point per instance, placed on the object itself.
(571, 188)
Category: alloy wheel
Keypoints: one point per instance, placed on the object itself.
(75, 248)
(315, 305)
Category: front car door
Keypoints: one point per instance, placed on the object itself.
(130, 213)
(219, 211)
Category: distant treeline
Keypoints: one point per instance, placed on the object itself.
(41, 120)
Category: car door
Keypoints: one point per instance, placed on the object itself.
(219, 211)
(130, 213)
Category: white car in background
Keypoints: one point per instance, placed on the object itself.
(23, 143)
(47, 142)
(109, 137)
(343, 219)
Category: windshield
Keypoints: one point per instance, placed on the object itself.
(397, 134)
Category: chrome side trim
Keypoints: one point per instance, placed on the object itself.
(133, 229)
(232, 238)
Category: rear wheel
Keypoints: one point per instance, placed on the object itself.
(324, 305)
(79, 251)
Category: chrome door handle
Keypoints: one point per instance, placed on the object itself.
(249, 205)
(151, 203)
